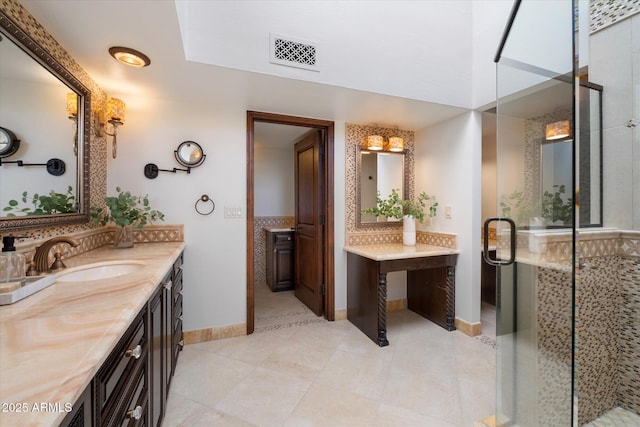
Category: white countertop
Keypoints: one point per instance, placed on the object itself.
(390, 251)
(53, 342)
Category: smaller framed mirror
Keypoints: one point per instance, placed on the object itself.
(189, 154)
(379, 172)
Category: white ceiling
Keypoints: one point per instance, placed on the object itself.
(404, 63)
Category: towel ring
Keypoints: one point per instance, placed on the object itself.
(204, 198)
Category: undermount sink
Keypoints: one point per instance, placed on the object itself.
(99, 271)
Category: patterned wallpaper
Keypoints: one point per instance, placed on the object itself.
(98, 144)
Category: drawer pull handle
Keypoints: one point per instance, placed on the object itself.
(136, 352)
(135, 414)
(167, 285)
(288, 238)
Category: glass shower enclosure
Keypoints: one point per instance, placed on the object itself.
(568, 225)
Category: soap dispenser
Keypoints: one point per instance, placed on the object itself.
(12, 263)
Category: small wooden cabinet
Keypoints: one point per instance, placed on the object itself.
(280, 260)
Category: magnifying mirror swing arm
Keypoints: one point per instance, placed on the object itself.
(151, 170)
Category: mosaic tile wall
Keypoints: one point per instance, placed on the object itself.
(607, 324)
(260, 243)
(553, 391)
(98, 144)
(629, 334)
(607, 12)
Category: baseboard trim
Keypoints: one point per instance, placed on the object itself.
(212, 334)
(396, 305)
(340, 314)
(471, 329)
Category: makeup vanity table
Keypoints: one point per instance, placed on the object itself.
(430, 284)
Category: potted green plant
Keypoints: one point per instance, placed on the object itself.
(125, 211)
(408, 210)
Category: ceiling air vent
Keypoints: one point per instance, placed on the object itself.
(293, 52)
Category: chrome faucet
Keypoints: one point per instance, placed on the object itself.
(41, 258)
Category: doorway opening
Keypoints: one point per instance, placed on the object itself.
(325, 187)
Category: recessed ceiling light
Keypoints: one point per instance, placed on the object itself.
(129, 56)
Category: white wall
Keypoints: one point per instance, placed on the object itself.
(615, 64)
(215, 255)
(448, 165)
(273, 181)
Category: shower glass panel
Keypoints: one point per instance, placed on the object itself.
(568, 183)
(536, 139)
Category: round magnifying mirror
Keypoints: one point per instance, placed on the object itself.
(9, 144)
(190, 154)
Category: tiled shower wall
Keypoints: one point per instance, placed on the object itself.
(607, 314)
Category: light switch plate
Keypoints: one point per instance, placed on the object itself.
(447, 211)
(233, 211)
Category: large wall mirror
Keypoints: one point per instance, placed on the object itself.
(45, 182)
(379, 172)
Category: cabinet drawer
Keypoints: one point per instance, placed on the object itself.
(129, 356)
(135, 411)
(283, 239)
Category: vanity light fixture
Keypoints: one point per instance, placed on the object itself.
(129, 56)
(558, 130)
(115, 116)
(375, 142)
(396, 144)
(72, 113)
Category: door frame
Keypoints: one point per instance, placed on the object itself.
(328, 233)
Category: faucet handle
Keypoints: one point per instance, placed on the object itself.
(57, 264)
(31, 269)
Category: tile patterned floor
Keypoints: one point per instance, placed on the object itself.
(331, 374)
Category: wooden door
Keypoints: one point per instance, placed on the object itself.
(309, 209)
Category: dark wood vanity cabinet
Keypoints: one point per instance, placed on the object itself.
(131, 387)
(165, 322)
(81, 414)
(123, 377)
(488, 280)
(280, 260)
(177, 338)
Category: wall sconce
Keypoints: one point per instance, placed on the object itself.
(115, 114)
(558, 130)
(72, 113)
(375, 142)
(396, 144)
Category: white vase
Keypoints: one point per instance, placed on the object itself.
(409, 231)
